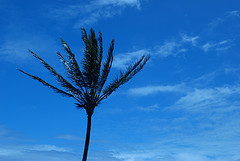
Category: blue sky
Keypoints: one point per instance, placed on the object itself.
(183, 106)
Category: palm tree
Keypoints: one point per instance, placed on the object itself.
(87, 84)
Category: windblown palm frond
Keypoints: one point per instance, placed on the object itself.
(72, 66)
(92, 59)
(69, 87)
(51, 86)
(124, 77)
(106, 67)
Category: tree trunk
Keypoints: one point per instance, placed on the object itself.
(87, 138)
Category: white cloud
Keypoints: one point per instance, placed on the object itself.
(144, 91)
(212, 99)
(9, 151)
(15, 50)
(135, 156)
(36, 153)
(169, 48)
(121, 61)
(134, 3)
(87, 14)
(191, 39)
(220, 20)
(190, 157)
(175, 47)
(69, 137)
(219, 46)
(149, 108)
(207, 46)
(45, 148)
(233, 13)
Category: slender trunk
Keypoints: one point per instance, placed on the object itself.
(87, 138)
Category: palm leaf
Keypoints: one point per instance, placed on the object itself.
(51, 86)
(69, 87)
(92, 59)
(73, 67)
(124, 77)
(106, 67)
(70, 72)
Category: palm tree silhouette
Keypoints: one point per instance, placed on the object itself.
(88, 83)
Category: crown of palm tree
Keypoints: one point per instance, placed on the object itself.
(87, 84)
(88, 88)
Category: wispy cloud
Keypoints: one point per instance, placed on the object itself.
(191, 39)
(218, 46)
(212, 99)
(176, 46)
(169, 48)
(134, 3)
(135, 156)
(190, 157)
(89, 13)
(15, 49)
(69, 137)
(144, 91)
(233, 13)
(121, 61)
(149, 108)
(222, 19)
(45, 148)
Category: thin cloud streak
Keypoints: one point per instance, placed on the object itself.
(69, 137)
(15, 50)
(121, 61)
(220, 20)
(88, 14)
(144, 91)
(218, 46)
(216, 99)
(191, 39)
(149, 108)
(169, 48)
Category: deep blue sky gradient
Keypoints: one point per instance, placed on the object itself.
(183, 106)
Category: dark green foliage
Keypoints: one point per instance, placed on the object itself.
(88, 83)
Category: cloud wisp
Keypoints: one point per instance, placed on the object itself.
(144, 91)
(90, 13)
(212, 99)
(168, 48)
(218, 46)
(219, 20)
(37, 153)
(121, 61)
(69, 137)
(15, 49)
(191, 39)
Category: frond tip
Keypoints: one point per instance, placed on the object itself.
(47, 84)
(124, 77)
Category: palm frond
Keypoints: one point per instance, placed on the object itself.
(106, 67)
(100, 55)
(124, 77)
(92, 59)
(69, 87)
(70, 72)
(49, 85)
(73, 67)
(80, 106)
